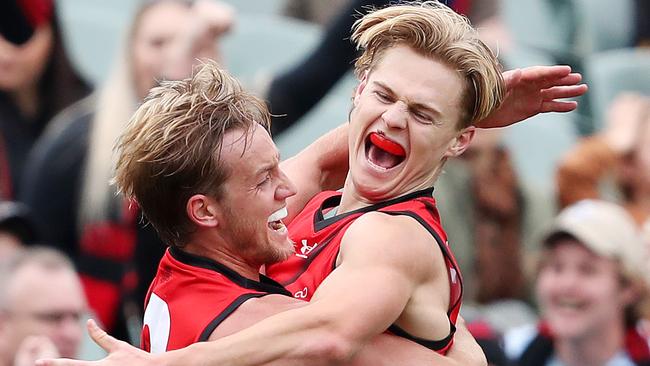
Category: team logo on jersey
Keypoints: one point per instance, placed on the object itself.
(306, 249)
(302, 294)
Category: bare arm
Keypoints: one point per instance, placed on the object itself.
(383, 350)
(321, 166)
(359, 300)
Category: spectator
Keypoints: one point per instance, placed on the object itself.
(66, 180)
(36, 82)
(592, 288)
(498, 214)
(621, 150)
(40, 295)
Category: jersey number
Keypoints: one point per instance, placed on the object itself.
(155, 331)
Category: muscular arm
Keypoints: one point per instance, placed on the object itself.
(364, 295)
(360, 299)
(321, 166)
(383, 349)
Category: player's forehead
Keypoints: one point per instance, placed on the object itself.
(249, 152)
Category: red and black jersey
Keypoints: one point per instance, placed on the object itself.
(318, 239)
(190, 296)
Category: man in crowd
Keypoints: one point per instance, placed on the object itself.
(592, 288)
(41, 303)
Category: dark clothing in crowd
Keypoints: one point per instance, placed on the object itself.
(117, 256)
(59, 87)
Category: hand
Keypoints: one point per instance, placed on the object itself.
(215, 16)
(624, 119)
(119, 353)
(32, 348)
(535, 90)
(199, 38)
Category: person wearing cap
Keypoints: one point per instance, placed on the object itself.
(37, 81)
(592, 289)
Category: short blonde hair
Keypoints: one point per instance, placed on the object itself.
(433, 30)
(171, 148)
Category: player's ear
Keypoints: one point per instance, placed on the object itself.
(461, 142)
(363, 81)
(202, 210)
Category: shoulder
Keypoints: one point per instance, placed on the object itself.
(398, 239)
(72, 120)
(385, 228)
(253, 311)
(66, 137)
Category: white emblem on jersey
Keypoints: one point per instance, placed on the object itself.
(306, 249)
(156, 317)
(453, 275)
(301, 294)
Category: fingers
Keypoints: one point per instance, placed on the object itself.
(562, 92)
(99, 336)
(566, 80)
(537, 73)
(558, 106)
(571, 79)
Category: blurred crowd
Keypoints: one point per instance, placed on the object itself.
(555, 264)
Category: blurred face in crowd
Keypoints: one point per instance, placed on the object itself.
(165, 30)
(403, 124)
(21, 66)
(579, 292)
(44, 302)
(255, 228)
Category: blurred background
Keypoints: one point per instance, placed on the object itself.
(496, 201)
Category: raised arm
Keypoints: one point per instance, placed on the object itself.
(321, 166)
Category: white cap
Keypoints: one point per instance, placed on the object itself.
(606, 229)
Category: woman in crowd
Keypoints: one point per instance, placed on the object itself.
(36, 82)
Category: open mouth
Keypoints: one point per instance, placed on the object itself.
(384, 152)
(570, 304)
(274, 221)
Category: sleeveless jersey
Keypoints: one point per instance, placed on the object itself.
(318, 239)
(190, 296)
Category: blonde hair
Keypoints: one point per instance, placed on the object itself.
(433, 30)
(170, 149)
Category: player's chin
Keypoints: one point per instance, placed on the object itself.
(280, 251)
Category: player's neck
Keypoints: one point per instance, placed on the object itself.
(221, 253)
(353, 198)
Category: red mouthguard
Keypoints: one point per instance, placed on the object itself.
(387, 145)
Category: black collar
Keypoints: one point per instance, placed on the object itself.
(334, 201)
(265, 284)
